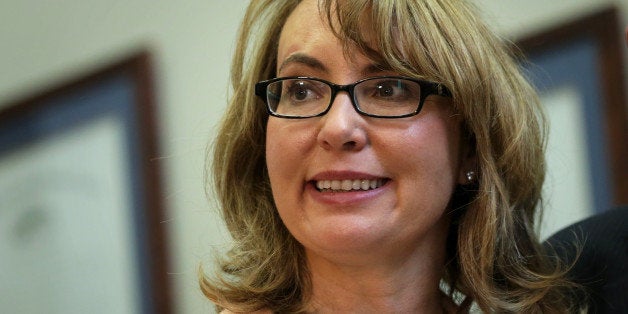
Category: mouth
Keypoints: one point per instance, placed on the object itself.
(339, 186)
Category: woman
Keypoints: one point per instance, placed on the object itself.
(373, 150)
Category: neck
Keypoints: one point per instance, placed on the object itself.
(407, 283)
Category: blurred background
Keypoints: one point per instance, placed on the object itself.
(45, 43)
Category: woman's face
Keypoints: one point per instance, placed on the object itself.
(413, 163)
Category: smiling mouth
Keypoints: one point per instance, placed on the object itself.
(348, 185)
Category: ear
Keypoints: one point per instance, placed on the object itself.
(468, 161)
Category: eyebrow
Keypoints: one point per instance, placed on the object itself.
(374, 68)
(314, 63)
(305, 60)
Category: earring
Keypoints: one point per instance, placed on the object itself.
(470, 176)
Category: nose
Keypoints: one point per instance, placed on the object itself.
(342, 127)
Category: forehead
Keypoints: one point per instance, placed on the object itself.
(307, 31)
(304, 26)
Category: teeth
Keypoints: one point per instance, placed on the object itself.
(348, 185)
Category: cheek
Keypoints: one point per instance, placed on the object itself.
(274, 152)
(287, 145)
(428, 155)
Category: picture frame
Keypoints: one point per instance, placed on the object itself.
(578, 69)
(82, 219)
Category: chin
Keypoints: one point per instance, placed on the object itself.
(360, 239)
(345, 235)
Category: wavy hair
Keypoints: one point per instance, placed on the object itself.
(494, 256)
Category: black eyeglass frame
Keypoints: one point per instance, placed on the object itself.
(427, 88)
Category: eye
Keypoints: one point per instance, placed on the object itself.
(385, 90)
(301, 91)
(393, 90)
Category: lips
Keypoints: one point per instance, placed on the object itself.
(347, 185)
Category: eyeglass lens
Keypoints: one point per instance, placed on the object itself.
(309, 97)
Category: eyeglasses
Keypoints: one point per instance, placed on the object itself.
(380, 97)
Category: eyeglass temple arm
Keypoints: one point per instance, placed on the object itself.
(441, 90)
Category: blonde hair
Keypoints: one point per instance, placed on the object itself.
(495, 259)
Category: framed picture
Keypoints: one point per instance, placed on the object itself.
(81, 204)
(578, 69)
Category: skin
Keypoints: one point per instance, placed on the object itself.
(380, 250)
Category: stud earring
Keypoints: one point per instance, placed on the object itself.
(470, 176)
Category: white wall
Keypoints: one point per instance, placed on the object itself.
(47, 41)
(516, 18)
